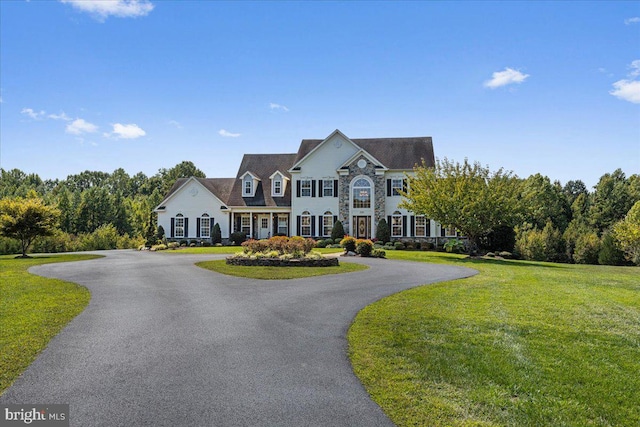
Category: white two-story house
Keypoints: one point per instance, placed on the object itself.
(356, 181)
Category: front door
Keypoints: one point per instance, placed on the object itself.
(362, 227)
(263, 227)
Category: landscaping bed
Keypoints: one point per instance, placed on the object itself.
(278, 262)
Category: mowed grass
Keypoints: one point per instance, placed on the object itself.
(278, 273)
(33, 310)
(520, 344)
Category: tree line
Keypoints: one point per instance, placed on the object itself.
(97, 210)
(534, 217)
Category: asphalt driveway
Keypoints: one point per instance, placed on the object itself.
(165, 343)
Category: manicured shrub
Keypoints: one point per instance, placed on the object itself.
(454, 246)
(348, 243)
(491, 255)
(321, 244)
(506, 254)
(337, 232)
(364, 247)
(216, 236)
(378, 253)
(383, 234)
(500, 238)
(237, 237)
(398, 246)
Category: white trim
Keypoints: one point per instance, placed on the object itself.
(368, 156)
(179, 189)
(334, 133)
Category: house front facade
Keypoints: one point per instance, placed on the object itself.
(355, 181)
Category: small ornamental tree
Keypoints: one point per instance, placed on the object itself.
(337, 232)
(383, 234)
(627, 233)
(25, 219)
(217, 234)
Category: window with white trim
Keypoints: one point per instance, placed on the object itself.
(248, 187)
(178, 226)
(245, 224)
(397, 185)
(277, 187)
(205, 226)
(327, 223)
(305, 224)
(361, 194)
(327, 188)
(420, 226)
(283, 225)
(305, 188)
(396, 224)
(450, 232)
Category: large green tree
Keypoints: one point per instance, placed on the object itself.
(467, 196)
(26, 218)
(627, 233)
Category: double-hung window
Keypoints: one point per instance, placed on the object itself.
(305, 188)
(327, 188)
(178, 227)
(421, 226)
(305, 224)
(396, 224)
(361, 194)
(396, 186)
(327, 223)
(205, 226)
(283, 225)
(245, 224)
(248, 187)
(277, 188)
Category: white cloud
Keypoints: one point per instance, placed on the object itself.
(61, 116)
(633, 20)
(130, 131)
(80, 126)
(274, 106)
(35, 115)
(629, 89)
(102, 9)
(175, 123)
(506, 77)
(228, 134)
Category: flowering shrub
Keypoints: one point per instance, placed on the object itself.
(348, 243)
(364, 247)
(279, 245)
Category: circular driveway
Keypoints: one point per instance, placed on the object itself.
(165, 343)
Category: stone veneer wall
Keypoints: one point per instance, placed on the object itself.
(378, 201)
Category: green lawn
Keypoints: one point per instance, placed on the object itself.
(277, 273)
(520, 344)
(33, 310)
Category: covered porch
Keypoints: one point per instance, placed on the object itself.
(261, 224)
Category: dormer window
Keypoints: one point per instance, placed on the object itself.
(249, 184)
(248, 187)
(278, 184)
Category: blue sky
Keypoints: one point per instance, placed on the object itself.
(549, 87)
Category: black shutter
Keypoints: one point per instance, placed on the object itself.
(186, 227)
(427, 224)
(211, 229)
(405, 185)
(335, 188)
(298, 225)
(441, 231)
(173, 227)
(320, 226)
(388, 188)
(404, 225)
(335, 219)
(313, 225)
(313, 188)
(389, 222)
(197, 227)
(298, 188)
(413, 226)
(320, 188)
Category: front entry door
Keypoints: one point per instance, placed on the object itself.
(362, 227)
(263, 227)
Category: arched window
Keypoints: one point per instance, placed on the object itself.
(305, 224)
(205, 226)
(327, 223)
(361, 193)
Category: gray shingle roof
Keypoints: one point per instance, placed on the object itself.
(394, 153)
(262, 166)
(220, 187)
